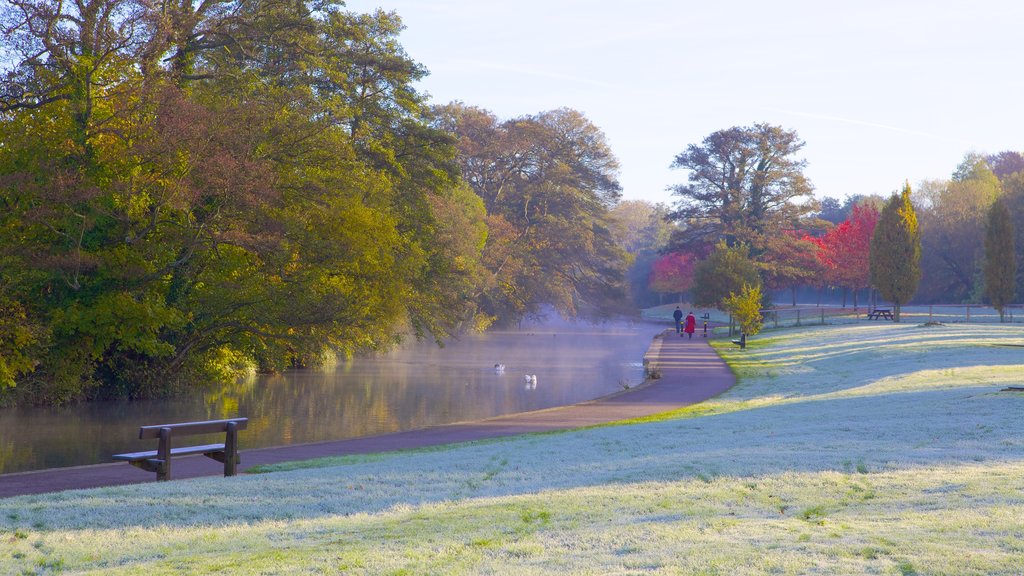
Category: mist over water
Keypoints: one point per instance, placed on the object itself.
(413, 387)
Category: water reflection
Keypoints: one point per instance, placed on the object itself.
(417, 386)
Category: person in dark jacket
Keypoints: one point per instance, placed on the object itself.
(678, 315)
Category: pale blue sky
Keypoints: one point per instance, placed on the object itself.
(881, 91)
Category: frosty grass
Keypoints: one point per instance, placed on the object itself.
(856, 449)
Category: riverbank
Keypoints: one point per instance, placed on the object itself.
(416, 385)
(690, 372)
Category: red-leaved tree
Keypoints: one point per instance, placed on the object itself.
(844, 252)
(672, 273)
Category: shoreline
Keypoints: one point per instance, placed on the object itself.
(706, 376)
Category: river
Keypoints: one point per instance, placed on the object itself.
(412, 387)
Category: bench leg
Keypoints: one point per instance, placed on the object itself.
(163, 452)
(231, 450)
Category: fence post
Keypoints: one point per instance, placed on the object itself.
(823, 316)
(929, 313)
(797, 316)
(968, 313)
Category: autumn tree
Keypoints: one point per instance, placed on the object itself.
(895, 261)
(191, 189)
(952, 232)
(789, 262)
(745, 308)
(745, 186)
(1005, 163)
(548, 182)
(672, 273)
(844, 251)
(641, 229)
(1000, 259)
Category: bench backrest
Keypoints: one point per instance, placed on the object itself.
(188, 428)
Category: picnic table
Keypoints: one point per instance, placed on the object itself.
(879, 313)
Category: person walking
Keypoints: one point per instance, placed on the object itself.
(678, 315)
(691, 324)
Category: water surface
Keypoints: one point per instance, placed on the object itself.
(416, 386)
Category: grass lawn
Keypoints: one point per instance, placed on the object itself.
(857, 449)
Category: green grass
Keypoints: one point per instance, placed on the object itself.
(884, 449)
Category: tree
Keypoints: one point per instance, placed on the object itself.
(744, 187)
(953, 230)
(548, 182)
(844, 251)
(672, 273)
(1013, 198)
(788, 262)
(896, 251)
(726, 270)
(1006, 163)
(745, 307)
(189, 189)
(1000, 258)
(641, 228)
(639, 225)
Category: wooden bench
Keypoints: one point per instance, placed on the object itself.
(879, 313)
(159, 460)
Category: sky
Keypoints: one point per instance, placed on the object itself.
(882, 92)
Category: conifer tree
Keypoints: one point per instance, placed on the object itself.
(1000, 259)
(896, 251)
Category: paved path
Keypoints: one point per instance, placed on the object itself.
(691, 372)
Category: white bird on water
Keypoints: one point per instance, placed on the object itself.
(499, 368)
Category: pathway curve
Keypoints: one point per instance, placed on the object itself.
(691, 372)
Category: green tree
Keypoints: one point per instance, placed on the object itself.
(896, 251)
(1000, 259)
(725, 271)
(745, 186)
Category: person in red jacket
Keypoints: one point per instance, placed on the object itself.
(691, 324)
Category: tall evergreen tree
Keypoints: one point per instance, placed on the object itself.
(1000, 258)
(896, 251)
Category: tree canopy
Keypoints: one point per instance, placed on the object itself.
(189, 189)
(727, 270)
(548, 182)
(745, 185)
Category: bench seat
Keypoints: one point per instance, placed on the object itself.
(183, 451)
